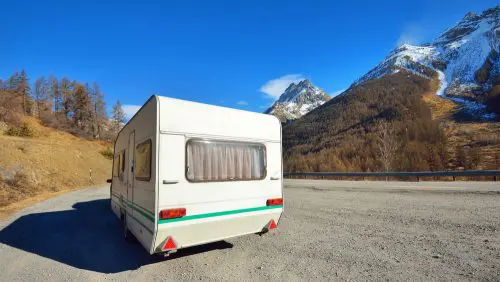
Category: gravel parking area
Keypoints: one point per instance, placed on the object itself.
(331, 230)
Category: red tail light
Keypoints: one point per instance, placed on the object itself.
(172, 213)
(169, 245)
(275, 202)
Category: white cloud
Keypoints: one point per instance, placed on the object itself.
(275, 87)
(130, 110)
(242, 103)
(335, 93)
(412, 34)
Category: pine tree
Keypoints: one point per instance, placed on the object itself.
(12, 82)
(23, 88)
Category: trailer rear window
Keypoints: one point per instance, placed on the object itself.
(143, 161)
(210, 160)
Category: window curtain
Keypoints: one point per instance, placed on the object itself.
(221, 161)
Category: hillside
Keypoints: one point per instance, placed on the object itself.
(50, 162)
(429, 107)
(479, 139)
(343, 134)
(298, 100)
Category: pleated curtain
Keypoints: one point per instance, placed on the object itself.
(221, 161)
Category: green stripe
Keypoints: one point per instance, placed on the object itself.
(214, 214)
(142, 224)
(136, 205)
(141, 212)
(138, 221)
(147, 214)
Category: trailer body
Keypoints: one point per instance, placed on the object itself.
(187, 173)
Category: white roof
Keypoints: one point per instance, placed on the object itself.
(191, 118)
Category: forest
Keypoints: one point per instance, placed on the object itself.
(380, 125)
(65, 104)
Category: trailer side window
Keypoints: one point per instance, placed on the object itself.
(210, 160)
(142, 170)
(116, 165)
(121, 169)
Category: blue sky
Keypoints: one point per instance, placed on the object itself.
(237, 54)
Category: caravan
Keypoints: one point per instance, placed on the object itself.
(186, 174)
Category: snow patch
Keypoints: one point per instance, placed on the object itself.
(474, 108)
(443, 84)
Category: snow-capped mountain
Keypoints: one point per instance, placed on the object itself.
(297, 100)
(465, 58)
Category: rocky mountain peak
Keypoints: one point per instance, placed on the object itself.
(297, 100)
(470, 16)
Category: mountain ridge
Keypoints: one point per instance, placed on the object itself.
(464, 58)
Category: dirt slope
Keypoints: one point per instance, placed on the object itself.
(51, 162)
(473, 138)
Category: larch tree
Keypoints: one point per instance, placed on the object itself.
(82, 108)
(55, 94)
(99, 108)
(66, 97)
(118, 117)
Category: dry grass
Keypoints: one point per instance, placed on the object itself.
(51, 162)
(441, 108)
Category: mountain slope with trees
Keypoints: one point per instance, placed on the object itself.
(379, 125)
(55, 135)
(65, 104)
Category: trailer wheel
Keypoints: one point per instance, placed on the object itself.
(127, 235)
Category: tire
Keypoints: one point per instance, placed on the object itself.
(127, 235)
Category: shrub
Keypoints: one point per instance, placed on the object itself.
(25, 130)
(107, 153)
(20, 180)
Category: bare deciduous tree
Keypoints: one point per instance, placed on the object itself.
(387, 144)
(42, 97)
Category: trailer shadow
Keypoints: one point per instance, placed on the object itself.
(87, 237)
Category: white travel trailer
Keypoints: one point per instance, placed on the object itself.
(186, 174)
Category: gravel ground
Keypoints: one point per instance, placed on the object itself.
(331, 230)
